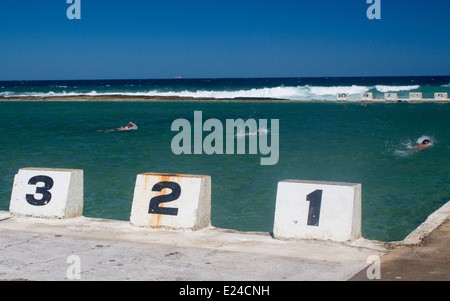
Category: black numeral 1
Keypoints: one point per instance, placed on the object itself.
(315, 202)
(154, 202)
(46, 195)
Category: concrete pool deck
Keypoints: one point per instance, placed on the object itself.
(109, 250)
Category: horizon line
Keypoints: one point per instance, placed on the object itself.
(200, 78)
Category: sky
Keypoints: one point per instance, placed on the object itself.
(146, 39)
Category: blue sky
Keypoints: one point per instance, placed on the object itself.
(118, 39)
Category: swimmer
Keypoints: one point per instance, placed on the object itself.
(129, 126)
(424, 144)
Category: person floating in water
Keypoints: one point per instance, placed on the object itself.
(424, 144)
(129, 126)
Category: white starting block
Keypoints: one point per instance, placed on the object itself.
(47, 193)
(366, 96)
(415, 96)
(342, 96)
(440, 96)
(171, 201)
(391, 96)
(318, 210)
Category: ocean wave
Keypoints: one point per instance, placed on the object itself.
(385, 89)
(305, 92)
(281, 92)
(293, 93)
(43, 94)
(338, 89)
(276, 92)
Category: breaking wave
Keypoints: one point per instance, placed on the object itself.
(305, 92)
(386, 89)
(282, 92)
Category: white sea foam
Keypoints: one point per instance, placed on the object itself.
(281, 92)
(7, 94)
(385, 89)
(276, 92)
(338, 89)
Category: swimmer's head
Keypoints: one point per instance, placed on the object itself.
(426, 141)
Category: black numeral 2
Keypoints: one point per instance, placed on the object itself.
(154, 202)
(315, 202)
(46, 195)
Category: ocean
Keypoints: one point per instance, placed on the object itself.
(322, 141)
(278, 88)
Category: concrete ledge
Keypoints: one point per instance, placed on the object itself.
(4, 215)
(37, 249)
(427, 261)
(211, 237)
(429, 225)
